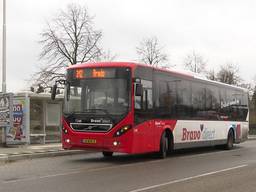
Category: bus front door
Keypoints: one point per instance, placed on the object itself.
(144, 131)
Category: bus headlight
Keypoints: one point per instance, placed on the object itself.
(115, 143)
(122, 130)
(64, 130)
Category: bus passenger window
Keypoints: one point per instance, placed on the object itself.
(149, 99)
(145, 101)
(137, 102)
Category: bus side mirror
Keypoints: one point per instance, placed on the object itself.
(54, 90)
(138, 90)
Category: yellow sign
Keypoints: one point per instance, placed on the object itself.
(89, 141)
(79, 73)
(98, 73)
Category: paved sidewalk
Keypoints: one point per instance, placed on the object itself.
(252, 137)
(20, 152)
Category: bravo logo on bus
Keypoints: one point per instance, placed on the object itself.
(203, 133)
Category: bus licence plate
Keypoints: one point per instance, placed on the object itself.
(89, 141)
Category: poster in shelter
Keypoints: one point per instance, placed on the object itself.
(17, 133)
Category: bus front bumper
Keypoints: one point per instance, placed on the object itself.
(96, 144)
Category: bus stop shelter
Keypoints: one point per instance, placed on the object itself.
(36, 119)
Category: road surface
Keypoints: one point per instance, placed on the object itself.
(204, 169)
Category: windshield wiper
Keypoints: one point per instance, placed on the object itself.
(88, 112)
(103, 110)
(71, 114)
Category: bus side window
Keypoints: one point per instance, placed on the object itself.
(145, 101)
(138, 102)
(149, 99)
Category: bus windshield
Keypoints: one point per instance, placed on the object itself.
(98, 95)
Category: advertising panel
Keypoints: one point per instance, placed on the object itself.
(16, 134)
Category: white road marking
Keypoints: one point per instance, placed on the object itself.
(187, 178)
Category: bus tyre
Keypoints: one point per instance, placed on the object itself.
(163, 146)
(230, 140)
(107, 153)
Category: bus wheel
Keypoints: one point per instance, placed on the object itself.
(107, 153)
(164, 143)
(230, 140)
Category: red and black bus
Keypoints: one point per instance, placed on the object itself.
(134, 108)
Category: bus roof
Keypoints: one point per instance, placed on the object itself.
(184, 73)
(128, 64)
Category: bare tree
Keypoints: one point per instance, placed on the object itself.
(248, 86)
(107, 56)
(211, 75)
(150, 52)
(195, 62)
(229, 74)
(253, 100)
(68, 39)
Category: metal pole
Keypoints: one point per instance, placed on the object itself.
(4, 63)
(4, 49)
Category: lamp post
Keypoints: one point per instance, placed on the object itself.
(4, 65)
(4, 49)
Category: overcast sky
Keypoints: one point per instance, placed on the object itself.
(220, 30)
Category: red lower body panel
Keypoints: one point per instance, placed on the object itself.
(143, 138)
